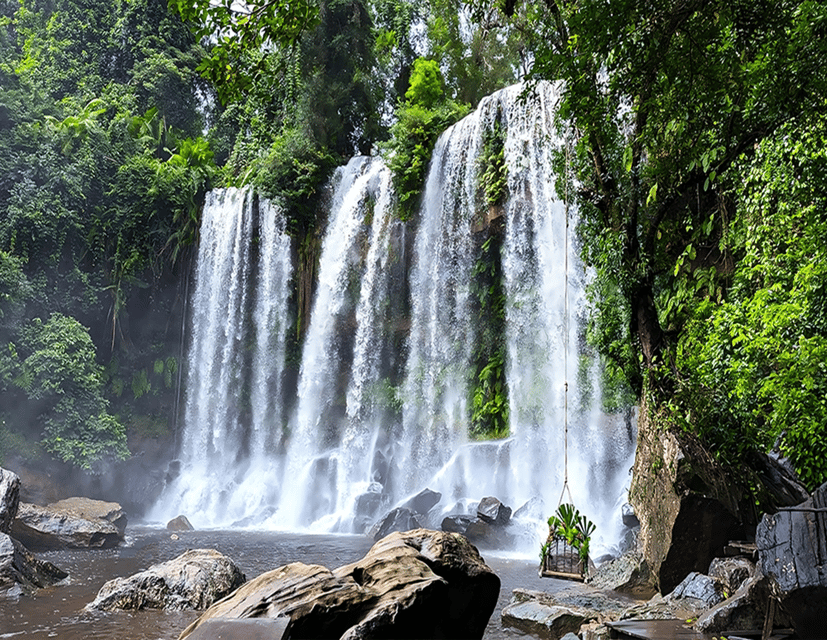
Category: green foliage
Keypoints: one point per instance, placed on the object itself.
(488, 388)
(59, 374)
(426, 87)
(240, 28)
(292, 174)
(754, 366)
(413, 137)
(493, 169)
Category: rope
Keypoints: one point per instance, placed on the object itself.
(566, 344)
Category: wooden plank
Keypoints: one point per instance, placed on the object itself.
(655, 629)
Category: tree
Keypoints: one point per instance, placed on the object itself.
(661, 98)
(63, 382)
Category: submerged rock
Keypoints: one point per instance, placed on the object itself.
(9, 499)
(416, 584)
(76, 523)
(792, 552)
(21, 572)
(193, 580)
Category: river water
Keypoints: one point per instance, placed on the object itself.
(58, 612)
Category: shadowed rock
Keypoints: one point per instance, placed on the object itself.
(416, 584)
(76, 523)
(21, 572)
(193, 580)
(398, 519)
(792, 551)
(423, 501)
(493, 511)
(9, 499)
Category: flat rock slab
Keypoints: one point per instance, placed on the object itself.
(552, 615)
(75, 523)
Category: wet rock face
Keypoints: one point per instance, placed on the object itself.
(792, 551)
(193, 580)
(493, 511)
(9, 499)
(398, 519)
(21, 572)
(689, 507)
(416, 584)
(180, 523)
(75, 523)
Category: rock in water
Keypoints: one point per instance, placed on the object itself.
(493, 511)
(21, 571)
(180, 523)
(792, 551)
(76, 523)
(193, 580)
(423, 501)
(416, 584)
(398, 519)
(9, 499)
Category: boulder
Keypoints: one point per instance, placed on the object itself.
(534, 509)
(415, 584)
(21, 572)
(76, 523)
(456, 524)
(792, 552)
(688, 506)
(628, 516)
(180, 523)
(423, 501)
(493, 511)
(489, 535)
(194, 580)
(553, 615)
(744, 609)
(731, 572)
(251, 629)
(398, 519)
(627, 574)
(9, 499)
(700, 587)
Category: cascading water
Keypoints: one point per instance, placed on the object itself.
(233, 411)
(367, 431)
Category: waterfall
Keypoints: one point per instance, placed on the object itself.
(383, 401)
(233, 409)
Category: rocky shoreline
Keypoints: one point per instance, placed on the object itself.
(425, 577)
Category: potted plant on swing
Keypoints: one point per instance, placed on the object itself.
(565, 553)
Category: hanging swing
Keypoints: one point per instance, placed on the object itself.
(565, 553)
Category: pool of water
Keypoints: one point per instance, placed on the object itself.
(58, 612)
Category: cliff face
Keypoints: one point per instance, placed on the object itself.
(689, 507)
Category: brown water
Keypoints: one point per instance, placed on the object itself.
(57, 612)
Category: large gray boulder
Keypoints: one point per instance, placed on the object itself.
(792, 552)
(492, 511)
(9, 499)
(194, 580)
(75, 523)
(553, 615)
(688, 505)
(21, 572)
(415, 584)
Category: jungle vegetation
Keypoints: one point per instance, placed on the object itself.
(696, 134)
